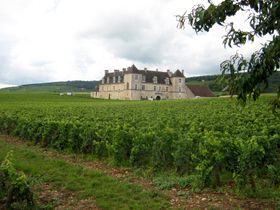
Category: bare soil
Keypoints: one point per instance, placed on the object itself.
(59, 198)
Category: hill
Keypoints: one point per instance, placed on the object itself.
(87, 86)
(68, 86)
(211, 82)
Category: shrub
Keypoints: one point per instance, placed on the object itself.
(14, 186)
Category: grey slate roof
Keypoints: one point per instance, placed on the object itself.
(178, 74)
(133, 70)
(161, 76)
(149, 75)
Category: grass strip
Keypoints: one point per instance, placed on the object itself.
(108, 192)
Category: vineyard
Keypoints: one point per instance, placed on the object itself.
(214, 142)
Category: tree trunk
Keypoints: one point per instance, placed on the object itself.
(9, 198)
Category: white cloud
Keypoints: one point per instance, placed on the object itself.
(54, 40)
(6, 85)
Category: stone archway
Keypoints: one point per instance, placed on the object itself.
(158, 98)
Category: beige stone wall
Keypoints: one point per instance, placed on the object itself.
(134, 89)
(111, 91)
(179, 89)
(152, 90)
(189, 93)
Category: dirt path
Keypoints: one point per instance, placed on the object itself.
(204, 200)
(61, 199)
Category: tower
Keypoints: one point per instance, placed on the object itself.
(178, 85)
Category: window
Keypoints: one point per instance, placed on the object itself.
(114, 79)
(135, 86)
(127, 86)
(155, 88)
(166, 89)
(143, 87)
(180, 80)
(167, 81)
(136, 77)
(155, 79)
(143, 78)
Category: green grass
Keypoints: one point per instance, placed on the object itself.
(108, 192)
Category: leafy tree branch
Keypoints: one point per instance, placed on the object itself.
(248, 77)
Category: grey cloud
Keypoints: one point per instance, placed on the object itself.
(18, 76)
(83, 61)
(5, 59)
(11, 74)
(54, 6)
(135, 38)
(121, 27)
(41, 63)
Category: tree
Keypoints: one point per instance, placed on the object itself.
(247, 77)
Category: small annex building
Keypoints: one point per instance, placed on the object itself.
(134, 84)
(200, 91)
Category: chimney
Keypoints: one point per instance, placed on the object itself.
(124, 69)
(183, 71)
(116, 70)
(169, 73)
(106, 72)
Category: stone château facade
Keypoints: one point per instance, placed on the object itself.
(135, 84)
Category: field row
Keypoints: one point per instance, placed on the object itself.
(212, 141)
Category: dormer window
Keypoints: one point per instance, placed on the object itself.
(167, 82)
(119, 79)
(114, 79)
(143, 78)
(108, 79)
(136, 77)
(155, 80)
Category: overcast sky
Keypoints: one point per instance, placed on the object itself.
(59, 40)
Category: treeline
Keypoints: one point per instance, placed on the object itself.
(212, 83)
